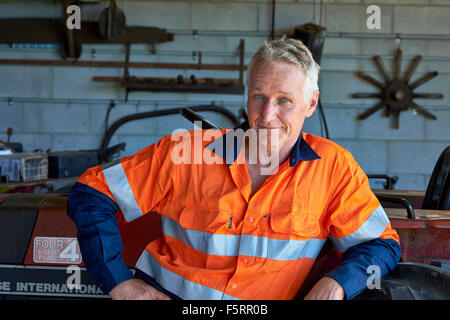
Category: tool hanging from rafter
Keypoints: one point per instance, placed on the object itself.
(112, 22)
(109, 29)
(397, 94)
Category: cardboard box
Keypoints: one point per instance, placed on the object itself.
(24, 166)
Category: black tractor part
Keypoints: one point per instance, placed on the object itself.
(437, 194)
(411, 281)
(17, 217)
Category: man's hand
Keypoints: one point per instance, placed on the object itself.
(136, 289)
(326, 289)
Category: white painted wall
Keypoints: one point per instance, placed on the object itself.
(61, 108)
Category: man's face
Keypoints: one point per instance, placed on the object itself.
(276, 100)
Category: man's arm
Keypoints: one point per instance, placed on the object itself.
(350, 278)
(359, 229)
(98, 235)
(132, 185)
(101, 245)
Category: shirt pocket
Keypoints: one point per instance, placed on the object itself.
(298, 221)
(203, 217)
(289, 234)
(292, 233)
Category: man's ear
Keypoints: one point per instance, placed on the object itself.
(312, 103)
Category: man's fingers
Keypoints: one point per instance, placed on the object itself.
(137, 289)
(161, 296)
(326, 289)
(157, 295)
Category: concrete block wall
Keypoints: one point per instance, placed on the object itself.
(61, 108)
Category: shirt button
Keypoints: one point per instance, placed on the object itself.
(234, 286)
(251, 219)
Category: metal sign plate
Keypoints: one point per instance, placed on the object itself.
(47, 281)
(56, 250)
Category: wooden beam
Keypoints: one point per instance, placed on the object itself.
(142, 79)
(120, 64)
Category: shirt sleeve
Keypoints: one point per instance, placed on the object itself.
(98, 235)
(121, 190)
(359, 229)
(353, 272)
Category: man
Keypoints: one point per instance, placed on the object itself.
(239, 228)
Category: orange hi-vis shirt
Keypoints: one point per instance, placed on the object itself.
(218, 241)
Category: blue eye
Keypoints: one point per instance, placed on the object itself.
(258, 96)
(285, 100)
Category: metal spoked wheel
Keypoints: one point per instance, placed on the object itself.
(397, 94)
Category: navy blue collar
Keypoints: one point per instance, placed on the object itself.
(301, 150)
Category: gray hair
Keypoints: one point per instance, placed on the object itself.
(290, 51)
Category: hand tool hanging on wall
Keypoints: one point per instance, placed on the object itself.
(313, 37)
(69, 48)
(112, 22)
(53, 31)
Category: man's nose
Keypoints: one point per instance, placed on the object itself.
(269, 111)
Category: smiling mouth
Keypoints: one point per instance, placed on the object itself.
(265, 127)
(270, 128)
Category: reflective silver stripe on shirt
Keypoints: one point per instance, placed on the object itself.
(234, 245)
(121, 190)
(279, 249)
(185, 289)
(371, 229)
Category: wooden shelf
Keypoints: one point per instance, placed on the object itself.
(421, 214)
(228, 88)
(399, 193)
